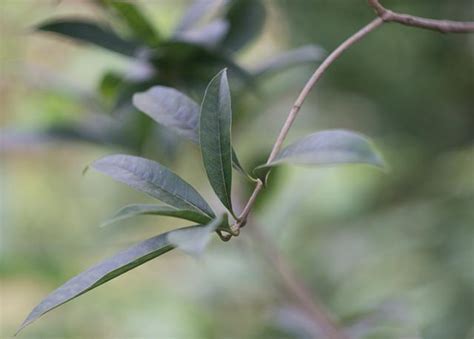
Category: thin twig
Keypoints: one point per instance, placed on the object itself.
(295, 287)
(299, 102)
(292, 284)
(443, 26)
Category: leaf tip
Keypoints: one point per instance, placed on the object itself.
(85, 170)
(137, 99)
(25, 323)
(193, 241)
(381, 163)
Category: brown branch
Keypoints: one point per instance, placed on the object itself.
(296, 289)
(290, 281)
(292, 284)
(299, 102)
(443, 26)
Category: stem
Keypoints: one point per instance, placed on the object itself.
(299, 102)
(315, 78)
(294, 286)
(296, 289)
(443, 26)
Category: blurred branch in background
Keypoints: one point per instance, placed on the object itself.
(329, 329)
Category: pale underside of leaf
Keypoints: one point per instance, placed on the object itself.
(329, 147)
(123, 262)
(195, 13)
(135, 210)
(208, 35)
(194, 241)
(174, 110)
(170, 108)
(295, 57)
(215, 137)
(154, 179)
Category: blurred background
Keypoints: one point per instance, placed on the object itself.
(390, 254)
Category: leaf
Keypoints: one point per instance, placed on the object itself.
(246, 18)
(121, 263)
(208, 35)
(92, 33)
(131, 211)
(298, 56)
(109, 85)
(170, 108)
(154, 179)
(215, 137)
(198, 10)
(329, 147)
(194, 241)
(101, 132)
(191, 59)
(136, 21)
(174, 110)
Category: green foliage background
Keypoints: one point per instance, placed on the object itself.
(390, 254)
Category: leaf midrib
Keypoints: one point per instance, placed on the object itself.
(221, 158)
(197, 208)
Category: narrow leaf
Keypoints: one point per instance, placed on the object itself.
(208, 35)
(136, 21)
(246, 18)
(195, 13)
(131, 211)
(298, 56)
(154, 179)
(170, 108)
(92, 33)
(194, 241)
(329, 147)
(215, 137)
(120, 264)
(174, 110)
(193, 57)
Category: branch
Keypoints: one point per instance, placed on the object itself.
(290, 281)
(299, 102)
(295, 288)
(443, 26)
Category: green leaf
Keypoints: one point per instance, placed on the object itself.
(215, 137)
(195, 13)
(329, 147)
(298, 56)
(92, 33)
(189, 239)
(194, 241)
(170, 108)
(136, 21)
(246, 18)
(190, 59)
(109, 85)
(208, 35)
(174, 110)
(154, 179)
(134, 210)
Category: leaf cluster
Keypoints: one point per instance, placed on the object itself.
(206, 39)
(209, 126)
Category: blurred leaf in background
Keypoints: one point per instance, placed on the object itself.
(184, 60)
